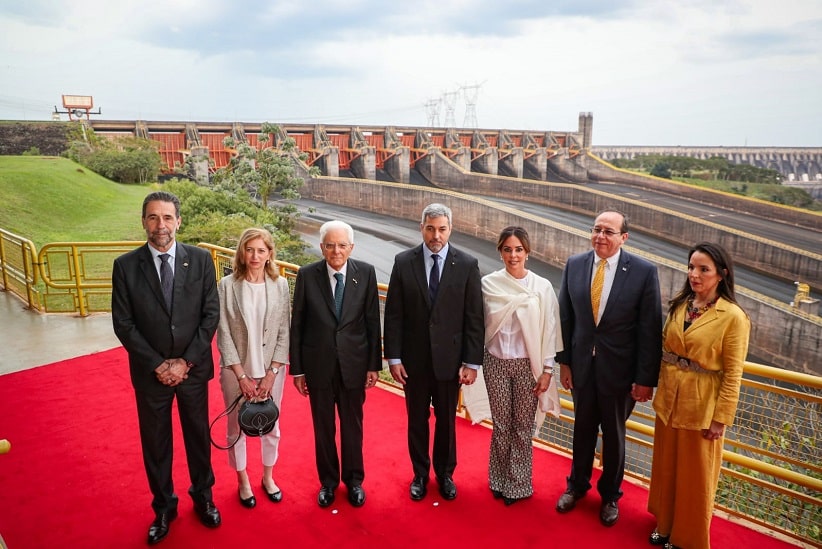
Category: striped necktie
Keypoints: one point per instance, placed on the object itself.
(166, 279)
(596, 288)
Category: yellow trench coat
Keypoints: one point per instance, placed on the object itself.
(718, 341)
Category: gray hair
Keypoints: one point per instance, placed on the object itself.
(334, 225)
(436, 210)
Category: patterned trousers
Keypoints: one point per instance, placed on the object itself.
(510, 386)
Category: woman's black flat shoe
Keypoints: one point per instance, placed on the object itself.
(276, 497)
(248, 503)
(657, 539)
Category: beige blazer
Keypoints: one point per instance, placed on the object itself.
(718, 341)
(232, 331)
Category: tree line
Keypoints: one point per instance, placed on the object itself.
(236, 197)
(714, 168)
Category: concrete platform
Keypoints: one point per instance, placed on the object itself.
(29, 339)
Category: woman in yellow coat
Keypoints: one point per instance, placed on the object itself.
(705, 342)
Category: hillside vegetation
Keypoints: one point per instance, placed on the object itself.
(51, 199)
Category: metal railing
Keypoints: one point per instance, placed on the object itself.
(772, 470)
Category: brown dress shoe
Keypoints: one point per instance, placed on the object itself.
(568, 501)
(608, 513)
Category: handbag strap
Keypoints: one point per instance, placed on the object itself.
(223, 414)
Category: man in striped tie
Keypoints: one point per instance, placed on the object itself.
(612, 335)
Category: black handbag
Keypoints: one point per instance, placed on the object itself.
(256, 418)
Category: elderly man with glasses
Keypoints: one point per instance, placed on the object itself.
(335, 355)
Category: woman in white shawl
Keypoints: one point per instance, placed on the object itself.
(522, 337)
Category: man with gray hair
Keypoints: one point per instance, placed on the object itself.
(434, 329)
(335, 355)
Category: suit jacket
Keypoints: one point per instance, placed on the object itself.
(444, 335)
(628, 337)
(318, 341)
(149, 331)
(232, 332)
(718, 341)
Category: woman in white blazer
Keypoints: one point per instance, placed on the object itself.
(253, 340)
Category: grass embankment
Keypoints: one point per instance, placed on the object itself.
(50, 199)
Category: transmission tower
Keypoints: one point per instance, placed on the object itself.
(470, 94)
(450, 100)
(432, 111)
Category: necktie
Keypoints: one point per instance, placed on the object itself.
(166, 279)
(339, 288)
(434, 278)
(596, 288)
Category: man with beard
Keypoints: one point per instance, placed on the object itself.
(165, 310)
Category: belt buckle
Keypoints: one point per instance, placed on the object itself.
(684, 363)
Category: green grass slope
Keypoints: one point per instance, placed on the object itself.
(50, 199)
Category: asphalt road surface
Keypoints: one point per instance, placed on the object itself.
(380, 237)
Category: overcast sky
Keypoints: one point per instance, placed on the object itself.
(653, 72)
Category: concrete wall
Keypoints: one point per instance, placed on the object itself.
(780, 335)
(602, 171)
(667, 224)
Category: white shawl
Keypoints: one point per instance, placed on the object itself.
(536, 308)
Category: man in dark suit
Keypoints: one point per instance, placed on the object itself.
(434, 331)
(165, 310)
(612, 335)
(335, 355)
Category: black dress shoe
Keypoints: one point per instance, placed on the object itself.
(276, 497)
(568, 501)
(419, 488)
(608, 513)
(326, 496)
(356, 495)
(496, 493)
(448, 490)
(208, 513)
(657, 539)
(159, 528)
(248, 503)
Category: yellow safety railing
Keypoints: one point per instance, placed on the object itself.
(772, 470)
(18, 267)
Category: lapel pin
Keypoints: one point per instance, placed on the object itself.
(625, 268)
(354, 280)
(185, 264)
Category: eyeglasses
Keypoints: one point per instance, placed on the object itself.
(606, 232)
(331, 247)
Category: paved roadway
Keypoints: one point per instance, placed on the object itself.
(806, 239)
(380, 237)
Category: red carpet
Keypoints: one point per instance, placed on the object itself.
(74, 478)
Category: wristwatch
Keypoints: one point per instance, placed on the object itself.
(274, 369)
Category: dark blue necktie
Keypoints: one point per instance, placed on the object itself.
(339, 288)
(434, 278)
(166, 279)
